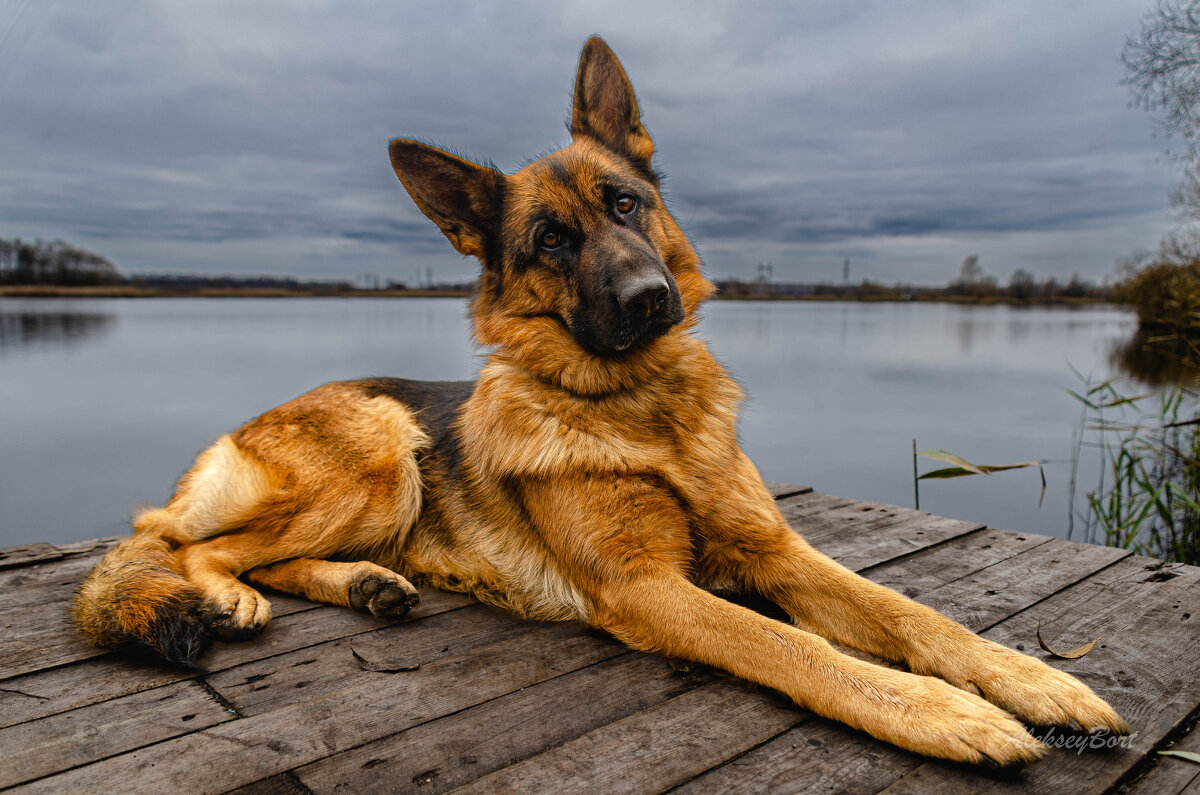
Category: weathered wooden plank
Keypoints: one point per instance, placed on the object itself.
(25, 555)
(652, 750)
(889, 540)
(44, 583)
(45, 692)
(854, 519)
(57, 690)
(40, 554)
(1171, 775)
(815, 756)
(313, 671)
(1145, 667)
(47, 645)
(942, 564)
(325, 623)
(371, 706)
(860, 534)
(819, 755)
(60, 742)
(809, 504)
(1001, 591)
(437, 756)
(65, 572)
(780, 490)
(863, 533)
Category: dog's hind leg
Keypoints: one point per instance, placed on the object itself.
(331, 473)
(287, 547)
(345, 482)
(141, 593)
(361, 585)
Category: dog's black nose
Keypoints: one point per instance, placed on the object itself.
(645, 298)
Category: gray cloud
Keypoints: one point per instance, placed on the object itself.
(251, 137)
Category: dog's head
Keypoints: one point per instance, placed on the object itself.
(581, 259)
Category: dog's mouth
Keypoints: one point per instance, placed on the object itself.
(633, 336)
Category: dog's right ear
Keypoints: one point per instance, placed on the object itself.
(461, 197)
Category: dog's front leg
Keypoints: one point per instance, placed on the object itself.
(665, 613)
(748, 542)
(624, 544)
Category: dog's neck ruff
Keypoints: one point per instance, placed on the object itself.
(519, 424)
(591, 377)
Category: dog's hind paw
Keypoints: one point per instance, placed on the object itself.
(383, 593)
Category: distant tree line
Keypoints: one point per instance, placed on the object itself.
(53, 262)
(971, 284)
(57, 263)
(187, 282)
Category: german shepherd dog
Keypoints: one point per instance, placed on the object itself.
(591, 474)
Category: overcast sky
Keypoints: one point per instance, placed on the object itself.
(251, 137)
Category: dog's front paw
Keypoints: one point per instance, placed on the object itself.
(1035, 692)
(383, 593)
(237, 613)
(929, 716)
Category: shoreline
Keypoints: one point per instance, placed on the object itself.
(132, 291)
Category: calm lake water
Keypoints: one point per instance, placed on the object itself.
(106, 402)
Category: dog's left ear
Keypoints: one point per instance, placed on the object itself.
(605, 106)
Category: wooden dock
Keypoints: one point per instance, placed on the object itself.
(475, 700)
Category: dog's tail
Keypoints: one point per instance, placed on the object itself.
(138, 596)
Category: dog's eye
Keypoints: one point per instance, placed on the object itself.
(550, 240)
(625, 204)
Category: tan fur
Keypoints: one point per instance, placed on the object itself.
(603, 488)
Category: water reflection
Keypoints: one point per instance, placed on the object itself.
(1019, 330)
(24, 329)
(1156, 360)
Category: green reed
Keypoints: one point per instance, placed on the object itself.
(1148, 496)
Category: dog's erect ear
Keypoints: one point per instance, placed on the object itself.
(461, 197)
(605, 106)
